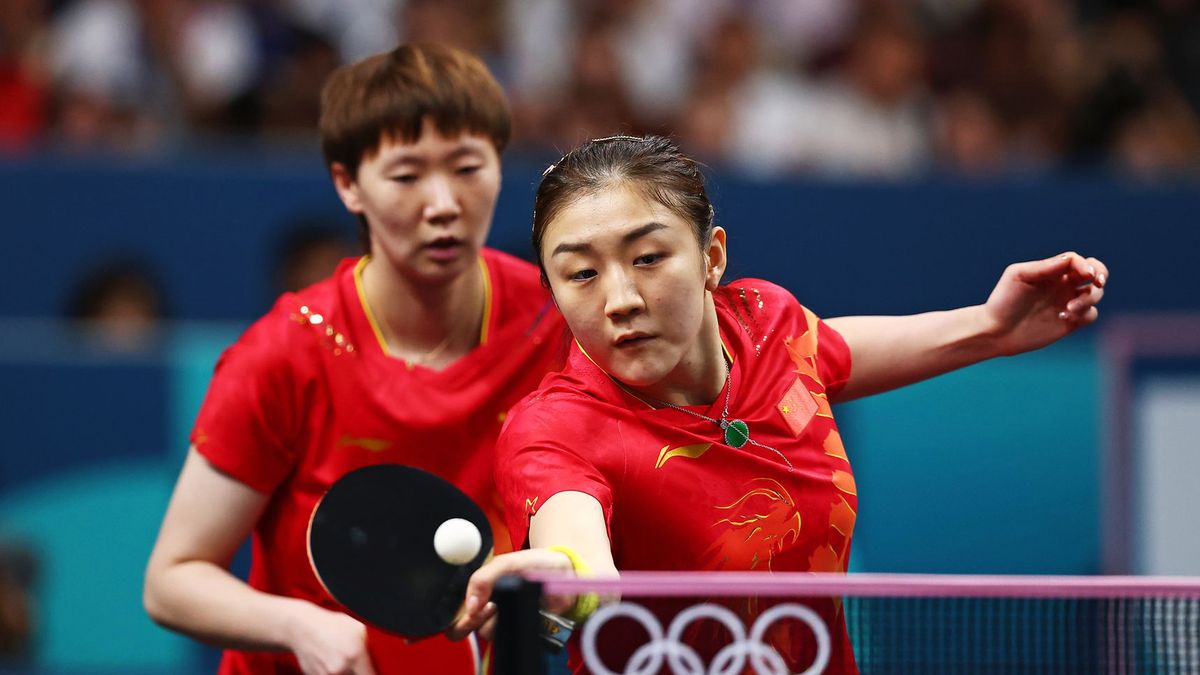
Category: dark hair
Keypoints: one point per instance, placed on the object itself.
(124, 276)
(653, 165)
(391, 94)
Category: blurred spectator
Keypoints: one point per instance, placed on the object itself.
(18, 567)
(309, 251)
(968, 135)
(472, 25)
(804, 31)
(875, 122)
(1158, 136)
(291, 96)
(23, 79)
(118, 304)
(596, 101)
(105, 87)
(1178, 23)
(866, 117)
(725, 67)
(1134, 117)
(357, 28)
(217, 58)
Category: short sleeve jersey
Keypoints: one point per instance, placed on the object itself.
(675, 496)
(309, 393)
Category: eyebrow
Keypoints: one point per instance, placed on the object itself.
(583, 246)
(455, 154)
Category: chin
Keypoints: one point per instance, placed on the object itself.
(435, 274)
(636, 377)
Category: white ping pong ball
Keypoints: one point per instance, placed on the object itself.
(457, 541)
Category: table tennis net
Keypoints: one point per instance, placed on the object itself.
(734, 623)
(1025, 635)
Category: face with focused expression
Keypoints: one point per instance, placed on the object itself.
(428, 204)
(633, 284)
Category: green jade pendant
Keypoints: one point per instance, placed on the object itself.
(737, 432)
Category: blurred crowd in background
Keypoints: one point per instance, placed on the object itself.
(870, 89)
(874, 88)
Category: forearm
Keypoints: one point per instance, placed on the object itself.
(206, 602)
(575, 520)
(888, 352)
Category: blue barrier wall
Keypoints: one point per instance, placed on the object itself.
(211, 224)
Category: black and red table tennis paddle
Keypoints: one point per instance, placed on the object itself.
(370, 542)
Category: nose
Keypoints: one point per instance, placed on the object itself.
(622, 296)
(441, 206)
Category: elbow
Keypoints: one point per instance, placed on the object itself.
(153, 600)
(159, 610)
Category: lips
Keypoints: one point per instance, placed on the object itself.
(444, 248)
(630, 340)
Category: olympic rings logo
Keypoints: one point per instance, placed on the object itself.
(684, 660)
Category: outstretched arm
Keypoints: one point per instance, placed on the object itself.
(1033, 305)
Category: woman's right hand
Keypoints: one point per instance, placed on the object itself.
(570, 519)
(479, 613)
(327, 642)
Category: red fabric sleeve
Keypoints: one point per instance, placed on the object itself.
(833, 358)
(543, 450)
(248, 422)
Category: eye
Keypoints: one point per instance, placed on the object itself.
(648, 259)
(405, 178)
(583, 275)
(468, 170)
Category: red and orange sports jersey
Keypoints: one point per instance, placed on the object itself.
(674, 495)
(309, 393)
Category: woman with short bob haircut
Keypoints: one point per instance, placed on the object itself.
(410, 354)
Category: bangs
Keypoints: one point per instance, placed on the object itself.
(391, 95)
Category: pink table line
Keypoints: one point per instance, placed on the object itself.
(801, 584)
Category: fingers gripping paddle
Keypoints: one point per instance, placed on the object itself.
(371, 542)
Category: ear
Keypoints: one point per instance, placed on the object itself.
(347, 188)
(715, 259)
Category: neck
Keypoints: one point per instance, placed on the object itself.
(700, 376)
(417, 318)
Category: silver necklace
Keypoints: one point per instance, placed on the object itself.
(737, 432)
(428, 356)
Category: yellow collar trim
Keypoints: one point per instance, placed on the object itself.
(487, 301)
(366, 307)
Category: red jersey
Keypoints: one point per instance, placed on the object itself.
(674, 495)
(309, 393)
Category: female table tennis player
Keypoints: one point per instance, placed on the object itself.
(691, 428)
(410, 354)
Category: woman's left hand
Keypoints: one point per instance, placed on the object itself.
(1036, 303)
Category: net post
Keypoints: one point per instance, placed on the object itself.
(518, 649)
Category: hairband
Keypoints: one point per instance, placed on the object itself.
(603, 139)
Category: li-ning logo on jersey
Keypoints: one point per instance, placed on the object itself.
(371, 444)
(689, 451)
(683, 660)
